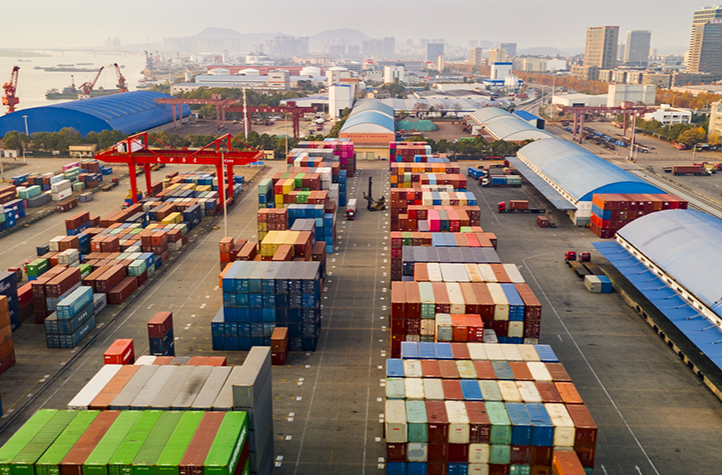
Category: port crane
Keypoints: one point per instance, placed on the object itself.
(122, 84)
(10, 99)
(87, 87)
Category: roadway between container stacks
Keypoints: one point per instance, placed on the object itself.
(189, 289)
(328, 410)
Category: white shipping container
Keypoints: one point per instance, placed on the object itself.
(494, 352)
(509, 391)
(563, 425)
(511, 353)
(445, 199)
(416, 338)
(444, 330)
(395, 420)
(501, 303)
(433, 389)
(490, 390)
(89, 392)
(528, 353)
(414, 388)
(473, 272)
(68, 256)
(460, 274)
(145, 359)
(539, 371)
(412, 369)
(479, 453)
(458, 422)
(434, 270)
(54, 243)
(153, 387)
(456, 297)
(515, 329)
(428, 327)
(477, 351)
(447, 272)
(487, 273)
(513, 272)
(61, 186)
(528, 391)
(61, 195)
(478, 469)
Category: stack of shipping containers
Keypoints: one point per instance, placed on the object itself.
(7, 347)
(611, 212)
(482, 409)
(160, 334)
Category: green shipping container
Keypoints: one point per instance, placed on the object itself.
(49, 463)
(144, 463)
(428, 303)
(22, 437)
(120, 463)
(232, 435)
(38, 267)
(24, 462)
(500, 423)
(172, 455)
(85, 270)
(417, 421)
(97, 462)
(500, 454)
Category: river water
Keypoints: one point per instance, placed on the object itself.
(34, 83)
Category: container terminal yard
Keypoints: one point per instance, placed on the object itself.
(378, 389)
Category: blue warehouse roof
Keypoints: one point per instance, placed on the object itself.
(581, 173)
(526, 115)
(129, 112)
(686, 245)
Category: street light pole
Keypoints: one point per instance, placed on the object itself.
(28, 134)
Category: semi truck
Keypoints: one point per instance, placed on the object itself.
(501, 181)
(687, 170)
(518, 206)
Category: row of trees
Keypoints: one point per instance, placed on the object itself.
(688, 134)
(47, 142)
(477, 146)
(686, 99)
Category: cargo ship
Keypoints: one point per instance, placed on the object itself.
(72, 93)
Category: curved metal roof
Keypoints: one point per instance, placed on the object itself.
(373, 105)
(369, 122)
(483, 116)
(129, 112)
(686, 245)
(513, 128)
(579, 172)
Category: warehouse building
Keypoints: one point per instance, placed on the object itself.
(668, 266)
(129, 112)
(498, 124)
(569, 176)
(371, 127)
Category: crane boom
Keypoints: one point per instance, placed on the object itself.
(87, 87)
(10, 98)
(122, 85)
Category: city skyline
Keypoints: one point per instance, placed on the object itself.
(44, 23)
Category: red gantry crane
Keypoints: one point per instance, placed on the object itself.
(122, 84)
(87, 87)
(136, 150)
(10, 99)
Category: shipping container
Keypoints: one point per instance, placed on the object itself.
(72, 463)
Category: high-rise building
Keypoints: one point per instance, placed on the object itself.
(705, 45)
(715, 119)
(475, 56)
(497, 55)
(433, 50)
(382, 48)
(636, 51)
(601, 47)
(509, 47)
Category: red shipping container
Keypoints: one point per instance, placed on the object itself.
(586, 428)
(458, 453)
(566, 463)
(479, 423)
(448, 369)
(160, 324)
(497, 469)
(438, 453)
(110, 279)
(521, 371)
(217, 361)
(586, 456)
(520, 454)
(548, 392)
(120, 352)
(436, 469)
(460, 350)
(163, 360)
(396, 452)
(541, 455)
(484, 370)
(122, 291)
(279, 359)
(452, 389)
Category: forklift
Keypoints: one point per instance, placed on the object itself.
(374, 205)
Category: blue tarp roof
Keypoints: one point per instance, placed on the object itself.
(545, 188)
(581, 173)
(700, 331)
(686, 244)
(527, 115)
(129, 112)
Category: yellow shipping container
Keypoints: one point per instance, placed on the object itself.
(393, 179)
(278, 199)
(173, 218)
(288, 186)
(263, 227)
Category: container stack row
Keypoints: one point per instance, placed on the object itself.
(483, 408)
(7, 347)
(343, 150)
(446, 167)
(259, 296)
(511, 310)
(434, 218)
(410, 180)
(408, 151)
(97, 442)
(10, 213)
(160, 334)
(9, 293)
(422, 195)
(611, 212)
(412, 255)
(73, 319)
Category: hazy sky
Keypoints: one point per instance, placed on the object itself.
(557, 23)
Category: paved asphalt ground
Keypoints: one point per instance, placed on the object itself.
(655, 416)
